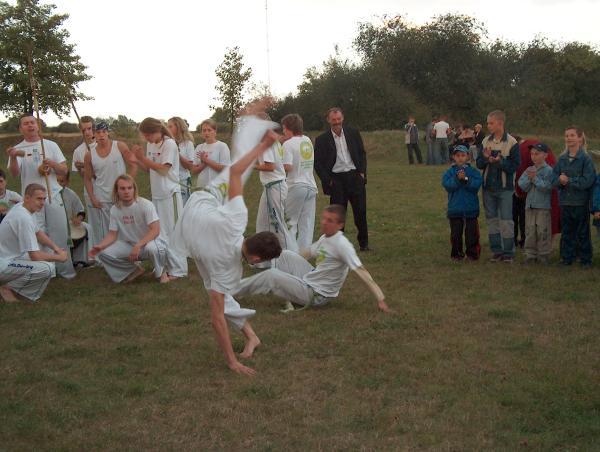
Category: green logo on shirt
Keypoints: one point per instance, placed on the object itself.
(306, 150)
(280, 150)
(321, 256)
(223, 187)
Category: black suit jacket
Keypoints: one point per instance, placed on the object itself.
(326, 155)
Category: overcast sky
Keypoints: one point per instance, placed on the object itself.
(157, 58)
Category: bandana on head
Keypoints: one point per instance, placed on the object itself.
(102, 126)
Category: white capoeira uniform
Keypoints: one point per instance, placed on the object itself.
(106, 170)
(166, 197)
(301, 200)
(78, 157)
(131, 224)
(17, 238)
(217, 152)
(73, 206)
(186, 150)
(271, 208)
(51, 218)
(211, 227)
(294, 279)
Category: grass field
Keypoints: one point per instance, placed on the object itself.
(478, 356)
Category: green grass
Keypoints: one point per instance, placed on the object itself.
(478, 356)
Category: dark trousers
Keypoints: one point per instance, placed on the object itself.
(518, 211)
(470, 228)
(414, 147)
(575, 239)
(350, 186)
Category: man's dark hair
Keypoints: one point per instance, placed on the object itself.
(25, 115)
(264, 245)
(32, 188)
(2, 174)
(293, 122)
(338, 210)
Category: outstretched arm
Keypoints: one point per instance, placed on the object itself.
(236, 187)
(365, 276)
(219, 324)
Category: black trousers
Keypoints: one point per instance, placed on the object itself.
(519, 219)
(350, 186)
(417, 150)
(470, 226)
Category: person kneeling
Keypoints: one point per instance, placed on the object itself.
(25, 269)
(295, 279)
(133, 236)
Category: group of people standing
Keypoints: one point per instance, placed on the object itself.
(204, 221)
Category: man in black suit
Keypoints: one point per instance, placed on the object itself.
(341, 164)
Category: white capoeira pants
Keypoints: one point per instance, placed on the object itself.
(53, 221)
(169, 210)
(27, 278)
(284, 280)
(99, 220)
(271, 214)
(115, 258)
(300, 208)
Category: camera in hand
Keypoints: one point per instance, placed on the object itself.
(495, 153)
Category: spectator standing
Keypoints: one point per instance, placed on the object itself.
(412, 140)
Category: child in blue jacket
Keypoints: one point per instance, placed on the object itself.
(462, 182)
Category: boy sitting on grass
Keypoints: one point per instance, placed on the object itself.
(536, 181)
(462, 183)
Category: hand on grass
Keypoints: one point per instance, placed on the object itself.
(239, 368)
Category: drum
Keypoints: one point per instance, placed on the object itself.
(78, 234)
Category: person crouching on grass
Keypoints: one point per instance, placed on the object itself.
(133, 235)
(462, 182)
(575, 175)
(536, 181)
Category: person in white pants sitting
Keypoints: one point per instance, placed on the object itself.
(294, 279)
(25, 269)
(133, 236)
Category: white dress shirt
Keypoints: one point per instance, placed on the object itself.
(343, 161)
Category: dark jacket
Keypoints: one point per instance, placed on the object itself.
(582, 176)
(500, 176)
(326, 155)
(463, 201)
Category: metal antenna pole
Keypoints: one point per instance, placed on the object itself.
(268, 52)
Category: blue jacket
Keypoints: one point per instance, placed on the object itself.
(539, 191)
(463, 201)
(500, 176)
(581, 174)
(596, 195)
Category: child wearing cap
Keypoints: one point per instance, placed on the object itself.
(462, 182)
(536, 181)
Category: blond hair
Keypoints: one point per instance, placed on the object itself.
(293, 122)
(153, 125)
(497, 114)
(183, 133)
(115, 193)
(210, 123)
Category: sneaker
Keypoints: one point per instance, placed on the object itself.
(496, 257)
(508, 259)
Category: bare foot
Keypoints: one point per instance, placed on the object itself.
(139, 271)
(251, 344)
(7, 294)
(173, 278)
(164, 278)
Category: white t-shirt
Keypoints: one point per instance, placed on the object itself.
(217, 152)
(334, 256)
(163, 187)
(106, 171)
(186, 150)
(17, 234)
(79, 154)
(132, 222)
(33, 159)
(303, 161)
(272, 155)
(440, 128)
(221, 235)
(10, 198)
(343, 160)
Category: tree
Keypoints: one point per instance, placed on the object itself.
(29, 28)
(233, 76)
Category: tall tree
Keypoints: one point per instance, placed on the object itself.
(32, 29)
(233, 76)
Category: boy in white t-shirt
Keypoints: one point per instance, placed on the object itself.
(8, 198)
(133, 235)
(211, 230)
(296, 280)
(26, 160)
(24, 268)
(441, 129)
(211, 157)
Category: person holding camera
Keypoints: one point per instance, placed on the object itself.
(499, 158)
(412, 141)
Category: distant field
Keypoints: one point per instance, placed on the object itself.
(479, 356)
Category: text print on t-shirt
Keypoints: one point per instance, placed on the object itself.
(128, 219)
